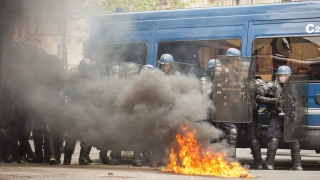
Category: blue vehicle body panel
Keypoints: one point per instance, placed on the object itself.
(241, 22)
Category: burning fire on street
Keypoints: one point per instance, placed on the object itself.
(190, 158)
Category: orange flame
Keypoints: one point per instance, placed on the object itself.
(191, 159)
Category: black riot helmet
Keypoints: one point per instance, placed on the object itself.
(85, 67)
(85, 63)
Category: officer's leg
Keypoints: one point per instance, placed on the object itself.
(115, 157)
(12, 134)
(147, 157)
(103, 154)
(7, 158)
(231, 136)
(48, 138)
(37, 134)
(251, 129)
(83, 153)
(69, 147)
(24, 141)
(88, 154)
(136, 160)
(274, 134)
(30, 153)
(46, 148)
(295, 155)
(56, 139)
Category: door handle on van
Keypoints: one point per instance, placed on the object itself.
(317, 99)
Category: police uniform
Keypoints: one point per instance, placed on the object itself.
(276, 122)
(75, 127)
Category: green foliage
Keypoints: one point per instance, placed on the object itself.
(144, 5)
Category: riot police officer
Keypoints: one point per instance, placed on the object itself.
(206, 81)
(166, 64)
(254, 127)
(114, 74)
(229, 73)
(38, 112)
(274, 104)
(76, 129)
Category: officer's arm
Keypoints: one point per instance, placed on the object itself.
(266, 100)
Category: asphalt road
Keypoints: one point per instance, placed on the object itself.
(97, 170)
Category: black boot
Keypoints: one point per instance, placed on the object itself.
(136, 161)
(295, 155)
(271, 153)
(83, 153)
(115, 157)
(256, 153)
(88, 153)
(103, 154)
(232, 141)
(69, 149)
(147, 157)
(67, 155)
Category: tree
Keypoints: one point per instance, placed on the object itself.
(144, 5)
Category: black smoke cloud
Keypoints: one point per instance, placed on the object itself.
(144, 112)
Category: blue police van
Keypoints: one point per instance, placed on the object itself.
(275, 34)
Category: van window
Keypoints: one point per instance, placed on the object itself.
(197, 52)
(114, 54)
(299, 53)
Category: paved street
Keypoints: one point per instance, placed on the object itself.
(96, 170)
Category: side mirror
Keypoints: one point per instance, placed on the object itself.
(317, 99)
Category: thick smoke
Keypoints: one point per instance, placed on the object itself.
(143, 113)
(146, 111)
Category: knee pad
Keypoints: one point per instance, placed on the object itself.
(295, 145)
(273, 143)
(232, 137)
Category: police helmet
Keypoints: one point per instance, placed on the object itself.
(148, 66)
(85, 63)
(115, 69)
(211, 63)
(233, 52)
(284, 70)
(210, 66)
(132, 68)
(166, 58)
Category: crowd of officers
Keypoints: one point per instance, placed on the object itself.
(20, 115)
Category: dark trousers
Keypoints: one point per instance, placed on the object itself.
(275, 129)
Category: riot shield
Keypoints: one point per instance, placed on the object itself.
(128, 70)
(74, 73)
(101, 71)
(185, 68)
(233, 91)
(296, 108)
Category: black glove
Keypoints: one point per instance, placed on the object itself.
(273, 101)
(280, 104)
